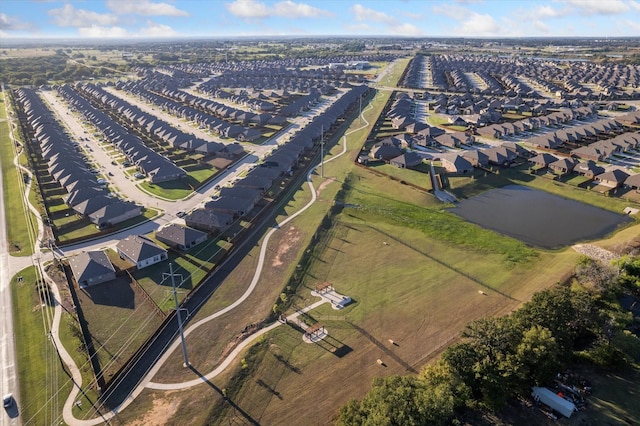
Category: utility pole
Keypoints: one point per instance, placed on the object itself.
(175, 297)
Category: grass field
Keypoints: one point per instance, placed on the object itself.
(119, 320)
(178, 189)
(18, 220)
(413, 289)
(43, 382)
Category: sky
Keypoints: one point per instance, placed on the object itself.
(40, 19)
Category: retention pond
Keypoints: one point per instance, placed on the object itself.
(537, 217)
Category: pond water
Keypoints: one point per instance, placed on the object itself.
(537, 217)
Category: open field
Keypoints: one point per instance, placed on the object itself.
(413, 289)
(18, 220)
(43, 382)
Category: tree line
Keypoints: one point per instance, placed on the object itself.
(39, 70)
(501, 358)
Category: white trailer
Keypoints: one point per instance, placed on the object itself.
(553, 401)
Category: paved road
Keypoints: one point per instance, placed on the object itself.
(8, 373)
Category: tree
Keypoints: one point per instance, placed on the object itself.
(537, 358)
(444, 392)
(393, 400)
(569, 315)
(484, 359)
(599, 275)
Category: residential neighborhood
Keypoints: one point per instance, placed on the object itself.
(421, 217)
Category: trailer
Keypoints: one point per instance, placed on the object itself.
(553, 401)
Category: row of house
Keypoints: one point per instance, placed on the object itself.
(153, 126)
(603, 149)
(556, 118)
(561, 166)
(248, 192)
(155, 166)
(205, 113)
(94, 267)
(579, 134)
(516, 75)
(69, 168)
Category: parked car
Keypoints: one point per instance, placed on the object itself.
(138, 175)
(7, 400)
(181, 214)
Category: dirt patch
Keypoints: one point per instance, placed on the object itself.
(324, 184)
(161, 413)
(290, 238)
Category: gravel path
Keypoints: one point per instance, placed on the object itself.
(595, 252)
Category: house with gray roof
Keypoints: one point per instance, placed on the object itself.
(208, 220)
(92, 267)
(115, 213)
(407, 160)
(181, 237)
(141, 251)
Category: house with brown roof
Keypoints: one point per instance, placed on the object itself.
(612, 179)
(456, 164)
(477, 158)
(588, 168)
(563, 166)
(543, 159)
(633, 182)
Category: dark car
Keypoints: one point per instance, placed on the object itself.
(7, 400)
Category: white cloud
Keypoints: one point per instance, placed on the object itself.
(632, 25)
(248, 9)
(253, 9)
(544, 12)
(154, 29)
(362, 13)
(599, 7)
(452, 11)
(144, 7)
(541, 26)
(405, 30)
(10, 23)
(68, 16)
(635, 5)
(97, 31)
(479, 25)
(412, 15)
(359, 28)
(291, 9)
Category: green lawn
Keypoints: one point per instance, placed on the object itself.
(392, 76)
(418, 177)
(18, 219)
(181, 188)
(44, 384)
